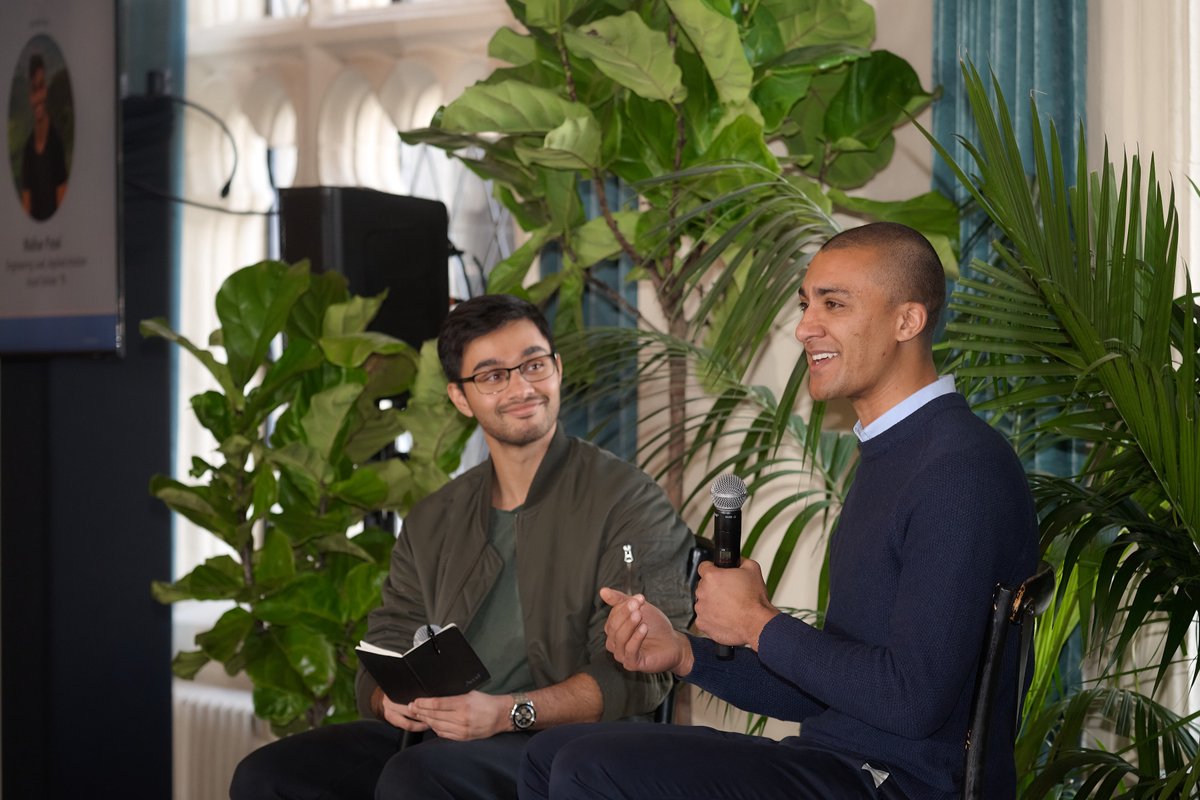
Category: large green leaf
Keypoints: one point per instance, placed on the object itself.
(159, 327)
(186, 663)
(508, 275)
(817, 22)
(326, 417)
(305, 466)
(508, 45)
(353, 349)
(309, 598)
(852, 169)
(880, 92)
(352, 316)
(218, 578)
(307, 318)
(253, 305)
(376, 429)
(300, 356)
(549, 14)
(778, 92)
(200, 504)
(513, 108)
(389, 375)
(632, 53)
(575, 144)
(361, 590)
(364, 488)
(302, 526)
(310, 654)
(265, 493)
(225, 638)
(278, 706)
(715, 37)
(595, 241)
(274, 563)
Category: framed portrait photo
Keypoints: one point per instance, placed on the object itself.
(60, 251)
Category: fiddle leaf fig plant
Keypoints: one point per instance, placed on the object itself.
(295, 479)
(658, 96)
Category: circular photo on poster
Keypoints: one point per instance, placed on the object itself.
(41, 127)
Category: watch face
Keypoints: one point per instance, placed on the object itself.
(523, 715)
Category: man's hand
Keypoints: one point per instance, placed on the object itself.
(731, 604)
(641, 638)
(463, 717)
(395, 713)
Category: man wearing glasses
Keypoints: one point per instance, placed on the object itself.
(515, 552)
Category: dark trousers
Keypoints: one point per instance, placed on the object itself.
(364, 760)
(616, 761)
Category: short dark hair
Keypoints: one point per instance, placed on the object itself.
(913, 272)
(36, 62)
(480, 316)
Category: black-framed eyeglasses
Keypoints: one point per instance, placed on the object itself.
(491, 381)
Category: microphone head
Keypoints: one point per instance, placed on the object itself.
(728, 493)
(425, 632)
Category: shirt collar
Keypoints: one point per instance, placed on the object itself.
(943, 385)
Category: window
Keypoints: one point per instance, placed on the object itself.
(313, 93)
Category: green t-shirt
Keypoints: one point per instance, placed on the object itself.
(498, 631)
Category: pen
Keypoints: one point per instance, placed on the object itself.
(628, 568)
(432, 638)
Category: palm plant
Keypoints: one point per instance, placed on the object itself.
(1076, 331)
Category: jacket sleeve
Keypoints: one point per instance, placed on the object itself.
(659, 542)
(393, 623)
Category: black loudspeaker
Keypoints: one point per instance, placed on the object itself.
(378, 241)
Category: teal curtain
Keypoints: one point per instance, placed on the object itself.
(1037, 46)
(610, 422)
(1028, 46)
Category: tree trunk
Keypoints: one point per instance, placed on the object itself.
(677, 414)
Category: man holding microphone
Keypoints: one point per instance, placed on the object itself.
(938, 514)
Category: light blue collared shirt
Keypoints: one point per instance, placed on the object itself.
(943, 385)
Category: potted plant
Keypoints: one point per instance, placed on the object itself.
(1077, 331)
(657, 95)
(293, 478)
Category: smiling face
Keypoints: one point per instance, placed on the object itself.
(861, 344)
(523, 413)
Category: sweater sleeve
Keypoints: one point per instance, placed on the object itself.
(960, 528)
(746, 683)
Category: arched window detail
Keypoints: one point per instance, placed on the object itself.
(314, 92)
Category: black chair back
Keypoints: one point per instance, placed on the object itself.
(1010, 606)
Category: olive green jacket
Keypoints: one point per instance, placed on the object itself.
(584, 505)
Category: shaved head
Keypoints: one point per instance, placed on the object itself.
(908, 266)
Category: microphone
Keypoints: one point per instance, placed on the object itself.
(425, 633)
(728, 494)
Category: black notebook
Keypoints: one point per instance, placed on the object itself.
(441, 666)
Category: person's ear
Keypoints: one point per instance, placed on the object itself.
(459, 398)
(912, 321)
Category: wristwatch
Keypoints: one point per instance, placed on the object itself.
(523, 714)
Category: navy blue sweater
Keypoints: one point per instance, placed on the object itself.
(939, 513)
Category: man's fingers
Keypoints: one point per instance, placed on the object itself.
(612, 596)
(622, 621)
(633, 647)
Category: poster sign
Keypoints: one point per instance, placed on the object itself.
(59, 186)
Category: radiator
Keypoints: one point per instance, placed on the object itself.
(214, 727)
